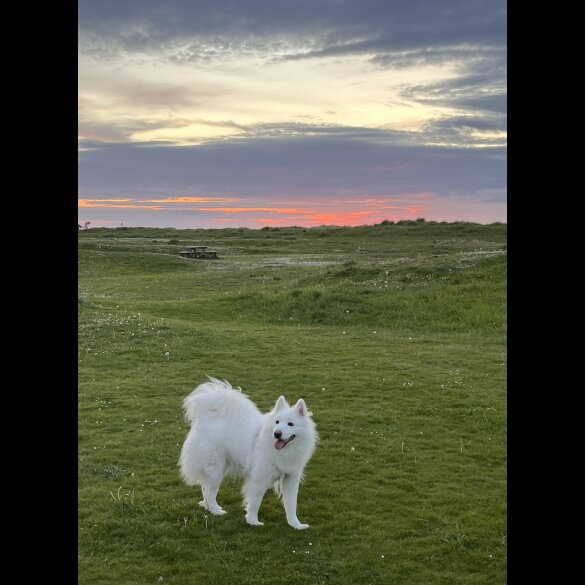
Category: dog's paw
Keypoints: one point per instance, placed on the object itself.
(300, 526)
(215, 510)
(254, 522)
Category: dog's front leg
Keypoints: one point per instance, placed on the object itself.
(290, 490)
(254, 491)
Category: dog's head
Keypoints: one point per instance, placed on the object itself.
(289, 423)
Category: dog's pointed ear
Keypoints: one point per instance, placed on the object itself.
(301, 407)
(280, 404)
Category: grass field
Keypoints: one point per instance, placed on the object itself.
(395, 336)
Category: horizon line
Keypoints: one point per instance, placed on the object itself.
(419, 221)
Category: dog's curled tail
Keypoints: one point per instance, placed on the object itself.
(215, 398)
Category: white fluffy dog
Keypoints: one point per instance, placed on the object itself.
(230, 436)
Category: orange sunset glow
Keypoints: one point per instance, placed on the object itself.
(312, 213)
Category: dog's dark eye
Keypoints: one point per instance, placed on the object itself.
(277, 421)
(291, 424)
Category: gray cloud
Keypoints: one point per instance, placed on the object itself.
(464, 94)
(448, 131)
(480, 86)
(299, 129)
(316, 166)
(471, 122)
(462, 130)
(316, 27)
(121, 131)
(252, 16)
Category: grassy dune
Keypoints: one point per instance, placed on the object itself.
(395, 337)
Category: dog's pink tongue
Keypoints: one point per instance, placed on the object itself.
(279, 444)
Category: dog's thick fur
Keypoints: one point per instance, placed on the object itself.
(230, 436)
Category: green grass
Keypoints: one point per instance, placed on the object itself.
(395, 337)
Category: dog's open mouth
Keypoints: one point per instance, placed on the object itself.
(281, 444)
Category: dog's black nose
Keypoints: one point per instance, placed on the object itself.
(277, 434)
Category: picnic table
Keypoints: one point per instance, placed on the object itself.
(198, 252)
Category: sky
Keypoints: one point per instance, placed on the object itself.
(253, 113)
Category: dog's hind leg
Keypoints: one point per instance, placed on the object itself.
(213, 479)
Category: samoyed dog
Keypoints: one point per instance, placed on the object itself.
(230, 436)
